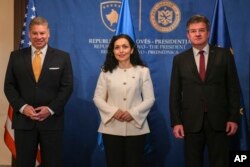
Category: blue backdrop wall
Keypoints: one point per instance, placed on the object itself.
(84, 28)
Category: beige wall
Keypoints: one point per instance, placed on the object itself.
(6, 46)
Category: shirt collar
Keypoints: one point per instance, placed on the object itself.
(43, 50)
(205, 49)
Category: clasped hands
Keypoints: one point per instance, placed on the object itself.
(38, 114)
(231, 129)
(122, 116)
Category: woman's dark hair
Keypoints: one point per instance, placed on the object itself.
(111, 63)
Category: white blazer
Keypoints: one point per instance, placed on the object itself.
(129, 90)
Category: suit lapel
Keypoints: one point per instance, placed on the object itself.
(210, 62)
(192, 64)
(46, 61)
(27, 60)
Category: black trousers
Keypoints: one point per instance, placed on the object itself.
(50, 141)
(123, 151)
(217, 143)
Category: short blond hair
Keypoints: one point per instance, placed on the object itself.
(38, 21)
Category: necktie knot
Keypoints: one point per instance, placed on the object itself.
(201, 52)
(38, 51)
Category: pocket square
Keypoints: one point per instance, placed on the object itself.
(54, 68)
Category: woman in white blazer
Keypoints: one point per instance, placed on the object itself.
(124, 95)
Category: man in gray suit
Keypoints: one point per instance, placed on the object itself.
(38, 83)
(204, 97)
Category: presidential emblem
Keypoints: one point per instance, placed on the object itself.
(165, 16)
(110, 14)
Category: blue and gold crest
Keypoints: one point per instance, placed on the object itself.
(165, 16)
(110, 13)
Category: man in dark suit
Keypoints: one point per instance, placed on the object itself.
(204, 97)
(38, 83)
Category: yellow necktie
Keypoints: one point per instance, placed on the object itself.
(37, 64)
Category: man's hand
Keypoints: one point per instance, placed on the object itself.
(42, 113)
(30, 112)
(178, 131)
(231, 128)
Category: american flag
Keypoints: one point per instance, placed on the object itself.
(25, 42)
(29, 15)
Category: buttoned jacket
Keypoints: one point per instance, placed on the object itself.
(129, 90)
(53, 88)
(219, 94)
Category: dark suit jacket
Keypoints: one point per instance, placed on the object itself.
(219, 92)
(53, 88)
